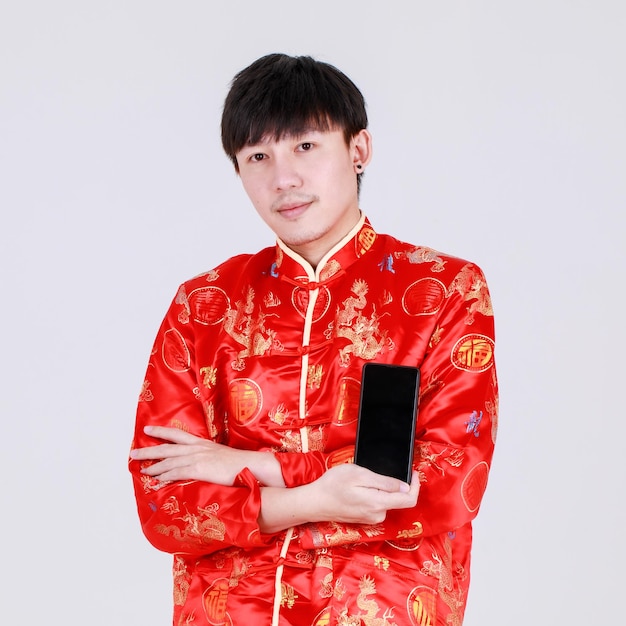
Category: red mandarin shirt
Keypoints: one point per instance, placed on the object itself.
(265, 353)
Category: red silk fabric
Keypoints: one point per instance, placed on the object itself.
(263, 353)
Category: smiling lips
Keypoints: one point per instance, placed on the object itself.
(293, 207)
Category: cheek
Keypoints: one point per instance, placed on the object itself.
(253, 192)
(343, 178)
(333, 173)
(261, 205)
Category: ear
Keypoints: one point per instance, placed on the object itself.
(361, 149)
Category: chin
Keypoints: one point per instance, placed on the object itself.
(301, 239)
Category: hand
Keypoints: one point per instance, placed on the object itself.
(352, 494)
(187, 457)
(346, 493)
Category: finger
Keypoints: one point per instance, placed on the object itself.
(152, 470)
(165, 466)
(176, 473)
(174, 435)
(172, 475)
(415, 484)
(405, 499)
(387, 483)
(397, 500)
(163, 451)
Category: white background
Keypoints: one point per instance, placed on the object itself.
(500, 136)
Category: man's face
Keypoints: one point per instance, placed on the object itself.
(304, 187)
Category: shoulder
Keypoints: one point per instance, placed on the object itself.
(438, 281)
(424, 260)
(231, 269)
(206, 298)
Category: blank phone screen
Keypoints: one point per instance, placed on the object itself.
(387, 415)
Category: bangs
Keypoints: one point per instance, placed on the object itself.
(276, 126)
(281, 96)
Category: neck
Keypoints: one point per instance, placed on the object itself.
(314, 255)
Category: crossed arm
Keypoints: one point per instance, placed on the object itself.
(345, 493)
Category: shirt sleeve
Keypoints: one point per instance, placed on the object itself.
(190, 517)
(457, 421)
(300, 468)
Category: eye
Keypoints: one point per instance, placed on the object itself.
(306, 146)
(259, 156)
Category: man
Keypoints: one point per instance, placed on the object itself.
(245, 433)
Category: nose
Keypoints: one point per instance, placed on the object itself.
(286, 173)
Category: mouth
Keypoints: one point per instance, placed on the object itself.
(294, 208)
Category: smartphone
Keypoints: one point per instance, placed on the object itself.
(387, 419)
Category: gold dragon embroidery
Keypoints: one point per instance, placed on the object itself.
(291, 441)
(278, 414)
(204, 527)
(314, 376)
(181, 298)
(421, 254)
(431, 460)
(470, 284)
(330, 589)
(364, 334)
(367, 587)
(209, 376)
(182, 581)
(146, 395)
(250, 332)
(441, 568)
(341, 534)
(288, 595)
(239, 564)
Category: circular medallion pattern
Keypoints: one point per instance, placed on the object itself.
(214, 602)
(246, 400)
(341, 456)
(474, 485)
(322, 618)
(175, 352)
(364, 240)
(347, 407)
(423, 297)
(422, 606)
(473, 353)
(208, 305)
(300, 300)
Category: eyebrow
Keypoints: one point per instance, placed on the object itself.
(268, 137)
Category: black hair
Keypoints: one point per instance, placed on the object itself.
(280, 95)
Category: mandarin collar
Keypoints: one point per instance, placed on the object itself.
(291, 266)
